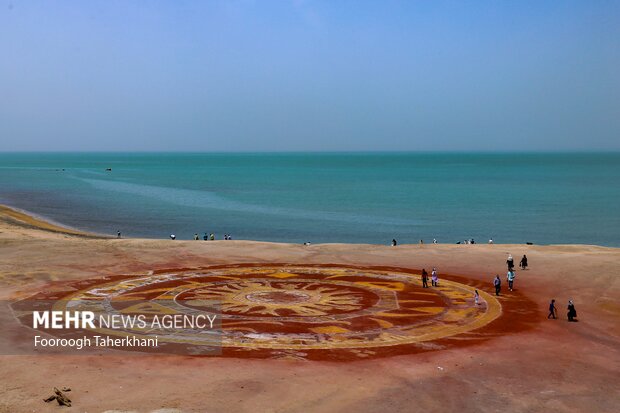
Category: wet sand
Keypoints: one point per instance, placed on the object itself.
(552, 365)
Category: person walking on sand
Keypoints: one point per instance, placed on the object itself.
(498, 284)
(552, 310)
(572, 313)
(510, 262)
(523, 263)
(118, 234)
(424, 278)
(476, 297)
(434, 278)
(510, 276)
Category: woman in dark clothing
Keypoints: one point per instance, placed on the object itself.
(523, 263)
(424, 279)
(572, 313)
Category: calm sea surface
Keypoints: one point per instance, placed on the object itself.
(357, 198)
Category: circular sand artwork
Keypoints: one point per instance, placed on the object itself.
(298, 311)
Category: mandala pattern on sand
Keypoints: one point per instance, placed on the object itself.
(302, 311)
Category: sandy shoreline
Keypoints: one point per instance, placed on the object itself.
(18, 217)
(550, 366)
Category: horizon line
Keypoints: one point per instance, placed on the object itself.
(324, 152)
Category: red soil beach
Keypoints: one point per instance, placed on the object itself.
(518, 362)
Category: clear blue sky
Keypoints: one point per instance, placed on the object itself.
(309, 75)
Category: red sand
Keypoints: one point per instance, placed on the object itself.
(363, 319)
(526, 363)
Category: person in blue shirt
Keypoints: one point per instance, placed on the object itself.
(552, 310)
(510, 276)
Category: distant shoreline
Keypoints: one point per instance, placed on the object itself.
(25, 219)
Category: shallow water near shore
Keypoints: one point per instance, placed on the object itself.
(352, 198)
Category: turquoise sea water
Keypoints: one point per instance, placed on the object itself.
(358, 198)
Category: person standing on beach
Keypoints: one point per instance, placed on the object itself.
(523, 263)
(196, 238)
(510, 276)
(572, 313)
(510, 262)
(552, 310)
(118, 234)
(434, 278)
(424, 278)
(476, 297)
(394, 243)
(212, 236)
(434, 240)
(498, 284)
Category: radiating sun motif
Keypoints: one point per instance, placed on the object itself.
(291, 311)
(277, 298)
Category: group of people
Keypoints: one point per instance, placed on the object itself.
(571, 314)
(497, 282)
(467, 241)
(434, 278)
(395, 243)
(205, 237)
(211, 237)
(510, 276)
(511, 263)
